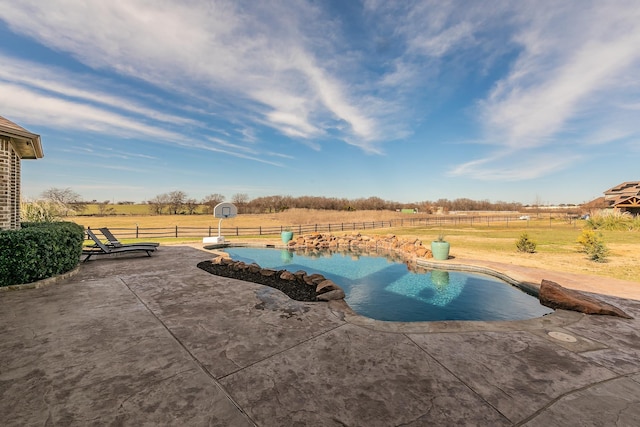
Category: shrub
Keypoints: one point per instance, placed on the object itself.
(526, 245)
(38, 251)
(39, 211)
(613, 220)
(593, 245)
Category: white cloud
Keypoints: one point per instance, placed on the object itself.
(238, 51)
(576, 65)
(576, 69)
(516, 165)
(562, 74)
(441, 43)
(294, 67)
(32, 107)
(61, 84)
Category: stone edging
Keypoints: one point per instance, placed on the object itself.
(41, 283)
(297, 285)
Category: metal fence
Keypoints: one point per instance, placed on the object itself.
(434, 221)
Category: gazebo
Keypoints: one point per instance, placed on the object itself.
(16, 143)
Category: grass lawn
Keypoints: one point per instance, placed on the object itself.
(556, 248)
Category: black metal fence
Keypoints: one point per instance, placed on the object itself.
(434, 221)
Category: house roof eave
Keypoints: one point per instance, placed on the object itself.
(27, 144)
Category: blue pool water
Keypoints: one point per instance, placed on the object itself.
(385, 290)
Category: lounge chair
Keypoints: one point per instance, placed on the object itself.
(113, 240)
(101, 249)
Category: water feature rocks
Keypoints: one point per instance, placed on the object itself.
(409, 248)
(555, 296)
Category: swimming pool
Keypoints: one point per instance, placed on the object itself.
(383, 289)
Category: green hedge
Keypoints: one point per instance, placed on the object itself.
(38, 251)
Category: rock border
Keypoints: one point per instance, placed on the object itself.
(299, 286)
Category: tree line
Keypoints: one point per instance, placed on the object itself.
(69, 202)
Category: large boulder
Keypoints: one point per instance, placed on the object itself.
(555, 296)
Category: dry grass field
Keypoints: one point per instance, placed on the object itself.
(556, 239)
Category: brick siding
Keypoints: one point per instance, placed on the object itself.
(9, 186)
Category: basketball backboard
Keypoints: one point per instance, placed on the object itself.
(225, 210)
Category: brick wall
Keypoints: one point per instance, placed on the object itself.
(9, 186)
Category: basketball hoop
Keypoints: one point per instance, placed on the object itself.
(222, 211)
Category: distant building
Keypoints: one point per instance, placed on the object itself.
(625, 197)
(16, 143)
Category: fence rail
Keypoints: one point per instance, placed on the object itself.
(184, 231)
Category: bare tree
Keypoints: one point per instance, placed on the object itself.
(269, 204)
(211, 201)
(105, 209)
(68, 200)
(176, 201)
(158, 203)
(191, 205)
(240, 200)
(375, 203)
(537, 203)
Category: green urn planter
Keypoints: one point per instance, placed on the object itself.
(286, 236)
(440, 249)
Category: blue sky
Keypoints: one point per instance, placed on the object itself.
(407, 101)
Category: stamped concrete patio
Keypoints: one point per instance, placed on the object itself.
(136, 340)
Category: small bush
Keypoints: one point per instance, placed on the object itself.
(38, 251)
(526, 245)
(39, 211)
(613, 220)
(593, 245)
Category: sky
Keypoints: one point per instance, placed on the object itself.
(516, 101)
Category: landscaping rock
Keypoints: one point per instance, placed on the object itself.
(558, 297)
(407, 248)
(326, 286)
(298, 286)
(267, 272)
(291, 288)
(332, 295)
(286, 275)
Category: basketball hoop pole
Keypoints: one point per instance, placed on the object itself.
(222, 211)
